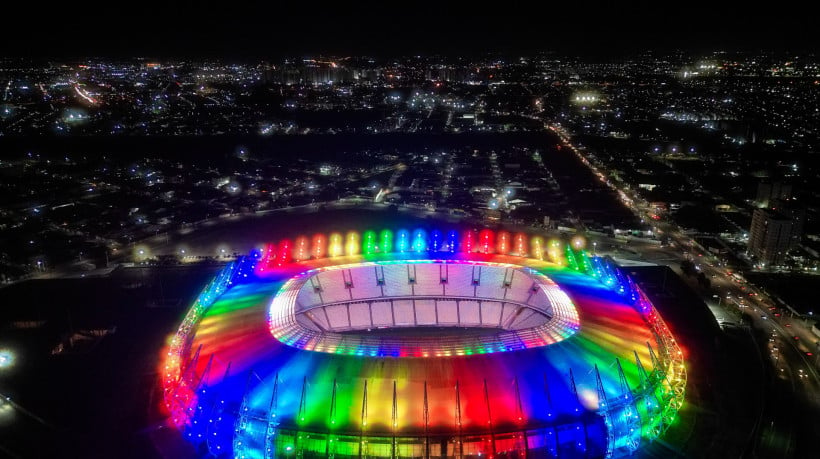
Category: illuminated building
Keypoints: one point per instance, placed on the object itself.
(770, 236)
(411, 343)
(770, 191)
(795, 211)
(314, 72)
(586, 98)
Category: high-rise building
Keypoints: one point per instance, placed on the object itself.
(768, 191)
(770, 237)
(313, 72)
(791, 209)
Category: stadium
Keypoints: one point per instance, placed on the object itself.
(423, 343)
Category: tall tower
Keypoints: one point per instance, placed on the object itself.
(768, 191)
(796, 212)
(770, 237)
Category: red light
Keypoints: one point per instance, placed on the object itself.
(796, 337)
(809, 354)
(285, 254)
(487, 239)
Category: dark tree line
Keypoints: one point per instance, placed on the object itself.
(688, 268)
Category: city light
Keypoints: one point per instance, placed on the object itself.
(7, 358)
(142, 253)
(578, 242)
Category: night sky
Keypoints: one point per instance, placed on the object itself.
(273, 29)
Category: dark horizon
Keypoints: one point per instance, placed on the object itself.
(185, 29)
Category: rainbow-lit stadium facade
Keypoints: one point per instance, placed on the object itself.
(422, 344)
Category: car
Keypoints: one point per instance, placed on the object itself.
(763, 316)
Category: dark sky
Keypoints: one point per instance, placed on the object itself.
(274, 28)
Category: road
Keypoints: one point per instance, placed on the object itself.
(791, 350)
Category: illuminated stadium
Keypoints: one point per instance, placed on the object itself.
(421, 344)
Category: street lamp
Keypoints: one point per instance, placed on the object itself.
(777, 360)
(6, 358)
(595, 248)
(720, 299)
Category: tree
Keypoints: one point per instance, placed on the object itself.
(704, 281)
(687, 267)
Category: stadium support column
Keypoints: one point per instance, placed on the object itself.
(394, 423)
(551, 433)
(584, 265)
(426, 424)
(201, 415)
(650, 397)
(660, 381)
(270, 432)
(458, 443)
(242, 419)
(581, 417)
(214, 429)
(570, 256)
(330, 450)
(630, 419)
(521, 424)
(604, 409)
(489, 418)
(189, 372)
(362, 441)
(301, 420)
(203, 377)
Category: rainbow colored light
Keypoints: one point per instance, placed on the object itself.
(244, 379)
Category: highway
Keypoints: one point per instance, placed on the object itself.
(790, 351)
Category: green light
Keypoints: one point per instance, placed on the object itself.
(369, 247)
(386, 241)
